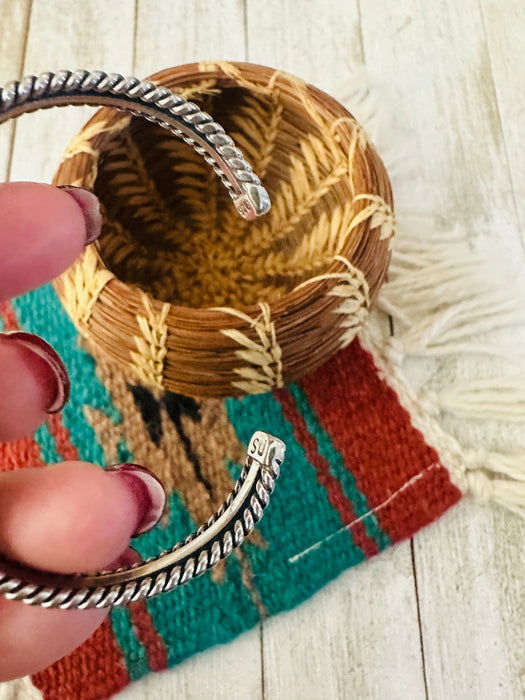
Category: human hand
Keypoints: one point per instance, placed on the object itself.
(74, 516)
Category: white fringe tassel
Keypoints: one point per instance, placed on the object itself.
(441, 294)
(496, 477)
(446, 299)
(499, 398)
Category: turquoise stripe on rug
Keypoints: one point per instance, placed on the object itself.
(135, 656)
(338, 468)
(202, 613)
(48, 445)
(282, 580)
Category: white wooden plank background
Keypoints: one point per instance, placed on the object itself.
(442, 617)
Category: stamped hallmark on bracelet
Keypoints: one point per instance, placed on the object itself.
(225, 530)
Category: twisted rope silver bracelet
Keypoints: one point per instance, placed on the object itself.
(157, 104)
(215, 540)
(236, 518)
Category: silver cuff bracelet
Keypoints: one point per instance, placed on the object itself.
(236, 518)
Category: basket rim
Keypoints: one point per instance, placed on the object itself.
(218, 351)
(262, 76)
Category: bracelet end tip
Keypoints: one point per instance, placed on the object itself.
(253, 203)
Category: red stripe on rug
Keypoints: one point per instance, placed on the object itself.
(148, 636)
(419, 503)
(94, 670)
(20, 453)
(58, 430)
(333, 487)
(379, 444)
(8, 315)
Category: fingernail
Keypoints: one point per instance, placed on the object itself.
(54, 365)
(147, 489)
(90, 207)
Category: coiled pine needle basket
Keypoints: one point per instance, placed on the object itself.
(185, 293)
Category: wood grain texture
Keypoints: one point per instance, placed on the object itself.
(12, 47)
(42, 137)
(435, 59)
(470, 582)
(471, 600)
(357, 638)
(318, 41)
(172, 33)
(226, 672)
(504, 23)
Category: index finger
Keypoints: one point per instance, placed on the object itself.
(43, 229)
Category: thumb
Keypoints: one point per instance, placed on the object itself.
(73, 517)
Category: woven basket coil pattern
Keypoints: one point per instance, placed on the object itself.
(188, 295)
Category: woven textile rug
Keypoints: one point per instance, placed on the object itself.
(358, 477)
(366, 465)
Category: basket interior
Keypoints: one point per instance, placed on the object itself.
(171, 227)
